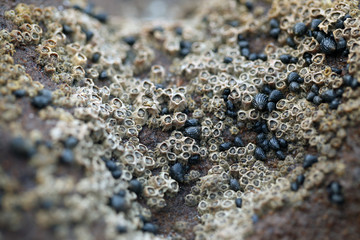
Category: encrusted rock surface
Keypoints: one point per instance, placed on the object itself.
(240, 121)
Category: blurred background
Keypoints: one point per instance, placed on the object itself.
(147, 9)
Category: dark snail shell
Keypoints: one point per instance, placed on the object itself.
(275, 96)
(260, 101)
(193, 132)
(292, 77)
(271, 106)
(309, 160)
(259, 154)
(274, 143)
(299, 29)
(280, 154)
(177, 172)
(328, 45)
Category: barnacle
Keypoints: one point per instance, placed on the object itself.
(215, 121)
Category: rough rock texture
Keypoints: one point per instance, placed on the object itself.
(43, 196)
(316, 217)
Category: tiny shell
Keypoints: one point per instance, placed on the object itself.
(260, 101)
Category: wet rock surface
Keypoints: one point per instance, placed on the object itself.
(134, 117)
(316, 216)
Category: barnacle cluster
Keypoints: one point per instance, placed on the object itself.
(249, 103)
